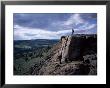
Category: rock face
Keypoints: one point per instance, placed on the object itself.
(73, 55)
(74, 47)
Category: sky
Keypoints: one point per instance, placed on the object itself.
(29, 26)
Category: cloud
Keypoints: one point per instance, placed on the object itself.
(25, 33)
(87, 29)
(90, 26)
(74, 19)
(38, 20)
(79, 23)
(64, 32)
(53, 26)
(17, 27)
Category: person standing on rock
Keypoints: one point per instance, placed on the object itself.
(72, 31)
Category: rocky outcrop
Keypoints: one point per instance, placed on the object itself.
(73, 55)
(74, 47)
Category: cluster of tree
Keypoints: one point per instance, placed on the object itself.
(31, 53)
(27, 55)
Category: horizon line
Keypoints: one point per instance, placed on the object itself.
(53, 38)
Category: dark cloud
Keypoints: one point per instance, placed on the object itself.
(38, 20)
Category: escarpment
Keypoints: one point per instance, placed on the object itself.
(73, 55)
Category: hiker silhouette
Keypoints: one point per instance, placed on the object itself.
(72, 31)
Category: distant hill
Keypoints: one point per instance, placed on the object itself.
(36, 42)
